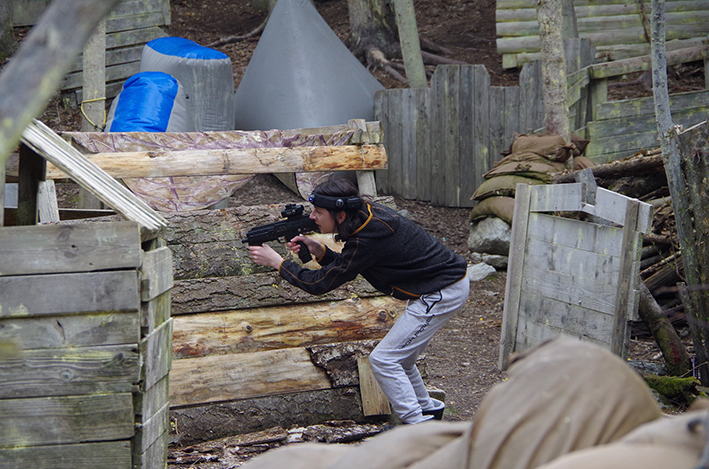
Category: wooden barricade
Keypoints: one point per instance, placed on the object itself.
(568, 276)
(85, 330)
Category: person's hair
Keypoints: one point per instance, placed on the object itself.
(354, 217)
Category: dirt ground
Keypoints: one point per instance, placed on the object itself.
(462, 358)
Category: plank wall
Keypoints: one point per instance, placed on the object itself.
(618, 29)
(84, 347)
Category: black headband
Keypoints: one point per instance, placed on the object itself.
(335, 203)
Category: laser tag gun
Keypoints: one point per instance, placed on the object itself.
(295, 223)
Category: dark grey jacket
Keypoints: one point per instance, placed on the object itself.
(393, 253)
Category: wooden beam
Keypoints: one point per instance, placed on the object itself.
(235, 161)
(252, 330)
(637, 64)
(374, 402)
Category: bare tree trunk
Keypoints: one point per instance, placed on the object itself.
(29, 80)
(8, 44)
(372, 25)
(410, 46)
(687, 221)
(556, 112)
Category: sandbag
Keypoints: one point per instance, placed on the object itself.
(564, 395)
(501, 186)
(540, 171)
(205, 73)
(500, 207)
(150, 102)
(552, 147)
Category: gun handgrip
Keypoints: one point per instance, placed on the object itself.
(304, 253)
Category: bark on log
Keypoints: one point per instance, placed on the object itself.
(675, 354)
(637, 166)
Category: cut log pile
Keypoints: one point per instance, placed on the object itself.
(643, 177)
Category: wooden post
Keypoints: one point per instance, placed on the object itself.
(374, 402)
(31, 172)
(365, 179)
(93, 102)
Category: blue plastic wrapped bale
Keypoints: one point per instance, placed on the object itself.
(151, 102)
(205, 73)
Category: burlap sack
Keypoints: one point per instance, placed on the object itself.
(501, 186)
(551, 147)
(673, 442)
(500, 207)
(563, 396)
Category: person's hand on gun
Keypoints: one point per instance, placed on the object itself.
(265, 255)
(315, 247)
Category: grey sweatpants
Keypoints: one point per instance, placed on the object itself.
(393, 361)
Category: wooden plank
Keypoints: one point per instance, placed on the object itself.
(515, 272)
(569, 289)
(235, 161)
(57, 151)
(582, 264)
(374, 401)
(627, 282)
(587, 236)
(393, 134)
(71, 330)
(556, 197)
(409, 175)
(451, 138)
(637, 64)
(153, 456)
(69, 248)
(468, 180)
(241, 376)
(156, 311)
(47, 202)
(36, 295)
(636, 107)
(496, 124)
(240, 331)
(534, 333)
(155, 273)
(382, 113)
(149, 401)
(113, 454)
(569, 318)
(151, 430)
(612, 207)
(71, 371)
(156, 357)
(61, 420)
(481, 136)
(423, 143)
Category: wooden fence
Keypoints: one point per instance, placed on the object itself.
(130, 25)
(441, 140)
(619, 29)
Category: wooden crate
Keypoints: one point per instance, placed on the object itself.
(85, 333)
(568, 276)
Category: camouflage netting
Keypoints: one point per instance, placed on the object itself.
(195, 192)
(532, 159)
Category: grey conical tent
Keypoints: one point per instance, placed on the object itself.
(301, 75)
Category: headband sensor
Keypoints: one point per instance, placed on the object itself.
(335, 203)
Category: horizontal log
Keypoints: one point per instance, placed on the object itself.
(637, 64)
(373, 134)
(637, 166)
(70, 419)
(245, 375)
(256, 290)
(76, 248)
(272, 328)
(235, 161)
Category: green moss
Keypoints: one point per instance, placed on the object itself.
(677, 391)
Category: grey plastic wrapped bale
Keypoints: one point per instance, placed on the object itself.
(205, 73)
(301, 75)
